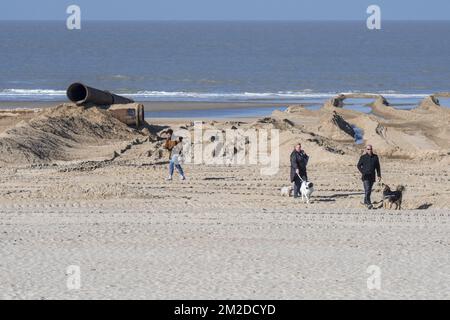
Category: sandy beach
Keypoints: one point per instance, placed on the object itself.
(79, 188)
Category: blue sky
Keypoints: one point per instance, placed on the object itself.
(225, 9)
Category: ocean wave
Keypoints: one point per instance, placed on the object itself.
(233, 95)
(32, 92)
(49, 94)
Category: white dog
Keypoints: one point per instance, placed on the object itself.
(286, 191)
(306, 190)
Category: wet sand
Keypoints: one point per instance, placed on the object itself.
(156, 106)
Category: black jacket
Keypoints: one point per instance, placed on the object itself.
(367, 165)
(299, 160)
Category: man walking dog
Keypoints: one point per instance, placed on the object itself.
(299, 161)
(367, 165)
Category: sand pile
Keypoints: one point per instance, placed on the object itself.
(298, 124)
(56, 134)
(421, 133)
(335, 127)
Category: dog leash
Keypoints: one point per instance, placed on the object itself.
(300, 178)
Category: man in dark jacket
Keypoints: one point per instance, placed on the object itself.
(367, 165)
(299, 161)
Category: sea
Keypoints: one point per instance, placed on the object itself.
(226, 61)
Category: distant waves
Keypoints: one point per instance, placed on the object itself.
(145, 95)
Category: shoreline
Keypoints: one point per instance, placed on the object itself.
(173, 111)
(154, 106)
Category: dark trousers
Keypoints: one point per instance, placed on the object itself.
(298, 184)
(368, 184)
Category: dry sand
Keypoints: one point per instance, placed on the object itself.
(101, 202)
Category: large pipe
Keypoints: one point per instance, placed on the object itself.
(82, 94)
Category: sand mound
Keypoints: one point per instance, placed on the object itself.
(421, 133)
(301, 125)
(335, 127)
(56, 133)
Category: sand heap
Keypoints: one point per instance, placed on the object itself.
(298, 124)
(335, 127)
(421, 133)
(335, 134)
(57, 133)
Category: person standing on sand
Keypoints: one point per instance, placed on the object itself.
(299, 161)
(170, 143)
(367, 165)
(175, 160)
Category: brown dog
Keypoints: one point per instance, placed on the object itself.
(393, 197)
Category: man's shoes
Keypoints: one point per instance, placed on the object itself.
(182, 178)
(368, 205)
(169, 178)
